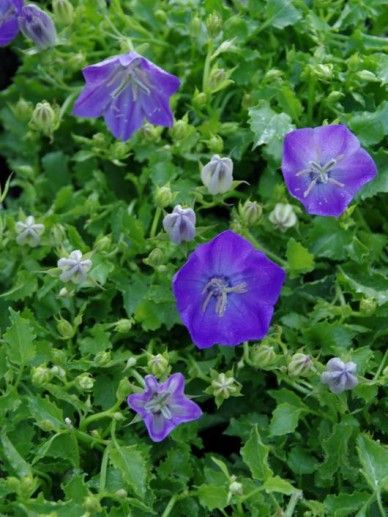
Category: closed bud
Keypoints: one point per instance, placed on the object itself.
(161, 15)
(367, 75)
(118, 416)
(41, 375)
(151, 133)
(334, 96)
(123, 389)
(123, 326)
(85, 381)
(273, 74)
(158, 365)
(23, 109)
(103, 243)
(300, 365)
(37, 25)
(216, 78)
(214, 24)
(283, 216)
(215, 144)
(132, 361)
(263, 356)
(58, 356)
(368, 306)
(180, 224)
(121, 493)
(164, 196)
(195, 25)
(63, 11)
(217, 175)
(250, 212)
(102, 358)
(46, 425)
(224, 386)
(44, 118)
(199, 99)
(92, 504)
(65, 329)
(155, 259)
(323, 71)
(181, 129)
(235, 488)
(57, 370)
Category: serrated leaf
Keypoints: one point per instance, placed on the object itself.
(281, 13)
(374, 460)
(343, 505)
(267, 125)
(255, 455)
(336, 449)
(279, 485)
(299, 259)
(371, 284)
(18, 463)
(132, 465)
(19, 339)
(285, 419)
(213, 496)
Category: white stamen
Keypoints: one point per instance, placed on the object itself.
(219, 288)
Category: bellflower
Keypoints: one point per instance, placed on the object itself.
(127, 90)
(226, 291)
(37, 25)
(9, 23)
(217, 175)
(29, 232)
(180, 224)
(163, 406)
(340, 376)
(324, 167)
(74, 268)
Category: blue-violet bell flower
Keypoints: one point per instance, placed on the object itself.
(226, 291)
(127, 90)
(74, 268)
(163, 406)
(340, 376)
(324, 167)
(37, 25)
(180, 224)
(9, 20)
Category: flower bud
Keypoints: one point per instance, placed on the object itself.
(155, 258)
(37, 25)
(368, 306)
(180, 224)
(283, 216)
(123, 389)
(63, 11)
(130, 362)
(23, 109)
(215, 144)
(199, 99)
(263, 356)
(224, 386)
(85, 381)
(41, 375)
(181, 129)
(92, 504)
(235, 488)
(57, 370)
(103, 243)
(121, 493)
(217, 175)
(68, 423)
(300, 365)
(250, 212)
(123, 326)
(44, 118)
(163, 196)
(323, 71)
(102, 358)
(158, 365)
(161, 15)
(65, 329)
(46, 425)
(118, 416)
(214, 24)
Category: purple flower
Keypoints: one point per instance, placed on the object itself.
(164, 406)
(180, 224)
(340, 376)
(9, 24)
(226, 291)
(38, 26)
(324, 167)
(127, 90)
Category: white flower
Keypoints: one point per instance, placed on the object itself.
(283, 216)
(29, 232)
(217, 175)
(74, 268)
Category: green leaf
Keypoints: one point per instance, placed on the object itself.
(131, 463)
(343, 505)
(299, 259)
(19, 339)
(19, 464)
(374, 460)
(371, 284)
(328, 239)
(301, 462)
(378, 185)
(269, 127)
(336, 449)
(285, 419)
(279, 485)
(281, 13)
(213, 496)
(63, 445)
(255, 455)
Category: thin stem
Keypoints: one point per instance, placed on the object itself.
(265, 250)
(206, 68)
(158, 213)
(108, 413)
(380, 503)
(291, 504)
(311, 102)
(382, 364)
(170, 506)
(104, 465)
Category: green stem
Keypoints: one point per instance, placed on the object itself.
(104, 465)
(170, 506)
(380, 503)
(291, 504)
(158, 213)
(206, 68)
(382, 364)
(311, 101)
(108, 413)
(265, 250)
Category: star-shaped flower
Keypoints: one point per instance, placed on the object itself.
(324, 167)
(127, 90)
(74, 268)
(163, 406)
(29, 232)
(340, 376)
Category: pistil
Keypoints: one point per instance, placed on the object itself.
(220, 289)
(319, 174)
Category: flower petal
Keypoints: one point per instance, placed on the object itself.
(124, 115)
(333, 141)
(158, 427)
(137, 402)
(184, 410)
(355, 170)
(175, 384)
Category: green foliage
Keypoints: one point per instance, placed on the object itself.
(250, 72)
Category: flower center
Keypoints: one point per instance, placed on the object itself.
(219, 288)
(159, 403)
(131, 75)
(320, 174)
